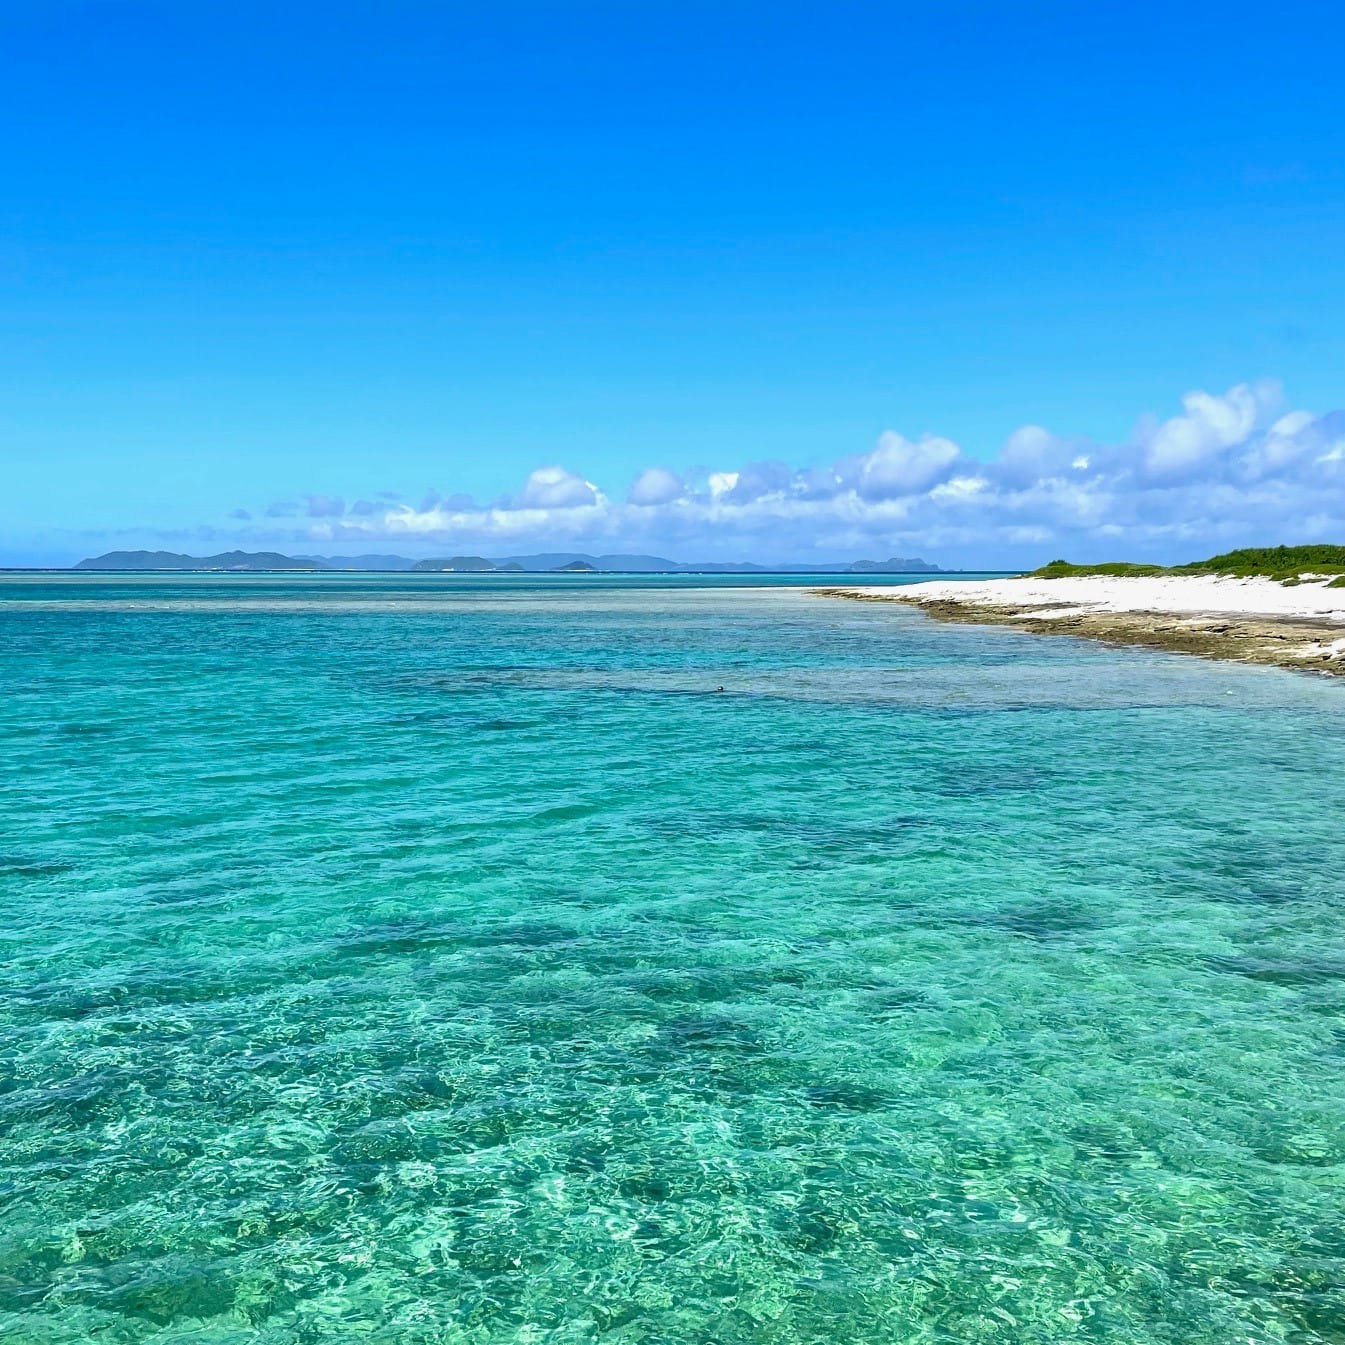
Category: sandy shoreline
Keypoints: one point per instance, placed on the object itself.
(1246, 620)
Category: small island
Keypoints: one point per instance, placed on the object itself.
(1281, 605)
(466, 565)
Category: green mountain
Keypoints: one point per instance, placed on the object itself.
(897, 565)
(457, 565)
(226, 560)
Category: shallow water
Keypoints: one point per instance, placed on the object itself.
(446, 960)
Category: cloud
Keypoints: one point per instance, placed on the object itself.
(282, 509)
(555, 488)
(655, 485)
(898, 467)
(241, 514)
(761, 481)
(326, 506)
(1228, 469)
(1208, 426)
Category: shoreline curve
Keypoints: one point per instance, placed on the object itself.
(1301, 627)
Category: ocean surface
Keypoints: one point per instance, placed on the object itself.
(446, 959)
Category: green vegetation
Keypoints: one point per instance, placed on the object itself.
(469, 564)
(1285, 563)
(1279, 562)
(1063, 569)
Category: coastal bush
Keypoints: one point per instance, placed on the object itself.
(1063, 569)
(1273, 562)
(1276, 561)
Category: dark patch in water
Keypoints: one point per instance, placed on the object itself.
(815, 1232)
(565, 812)
(688, 1033)
(1305, 973)
(1104, 1139)
(831, 834)
(970, 780)
(395, 945)
(646, 1188)
(847, 1095)
(1046, 921)
(189, 894)
(706, 985)
(1260, 896)
(1043, 922)
(894, 1001)
(14, 865)
(403, 937)
(176, 1288)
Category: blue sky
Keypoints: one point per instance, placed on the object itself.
(407, 257)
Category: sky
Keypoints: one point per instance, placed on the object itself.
(981, 283)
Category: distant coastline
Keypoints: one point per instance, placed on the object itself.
(238, 562)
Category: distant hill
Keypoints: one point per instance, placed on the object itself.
(897, 565)
(457, 564)
(373, 562)
(467, 565)
(635, 564)
(618, 563)
(546, 561)
(138, 560)
(226, 560)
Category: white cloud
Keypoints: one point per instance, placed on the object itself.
(1208, 426)
(1220, 473)
(655, 485)
(760, 481)
(898, 467)
(555, 488)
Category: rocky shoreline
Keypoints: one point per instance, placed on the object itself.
(1306, 643)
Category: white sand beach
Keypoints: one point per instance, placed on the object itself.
(1254, 620)
(1173, 594)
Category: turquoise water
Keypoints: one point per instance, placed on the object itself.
(446, 960)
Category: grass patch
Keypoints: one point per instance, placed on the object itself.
(1285, 563)
(1063, 569)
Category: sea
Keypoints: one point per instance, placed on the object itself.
(471, 959)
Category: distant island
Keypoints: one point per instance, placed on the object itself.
(226, 560)
(568, 562)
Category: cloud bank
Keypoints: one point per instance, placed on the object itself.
(1228, 469)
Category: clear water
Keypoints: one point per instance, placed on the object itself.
(435, 960)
